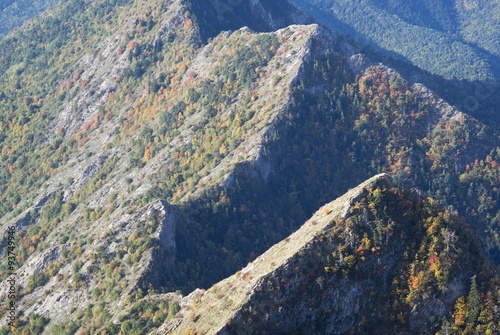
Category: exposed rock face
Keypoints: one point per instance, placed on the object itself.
(163, 256)
(166, 231)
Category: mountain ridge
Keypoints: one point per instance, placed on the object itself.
(251, 301)
(294, 243)
(117, 219)
(162, 159)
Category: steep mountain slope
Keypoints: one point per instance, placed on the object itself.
(95, 213)
(378, 260)
(14, 13)
(153, 153)
(454, 39)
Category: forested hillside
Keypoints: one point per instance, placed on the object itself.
(14, 13)
(451, 38)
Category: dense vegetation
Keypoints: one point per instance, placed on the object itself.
(14, 13)
(455, 39)
(34, 67)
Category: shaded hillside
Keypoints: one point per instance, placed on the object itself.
(215, 16)
(378, 260)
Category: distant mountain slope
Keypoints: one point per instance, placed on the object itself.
(215, 16)
(378, 260)
(14, 13)
(438, 14)
(454, 39)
